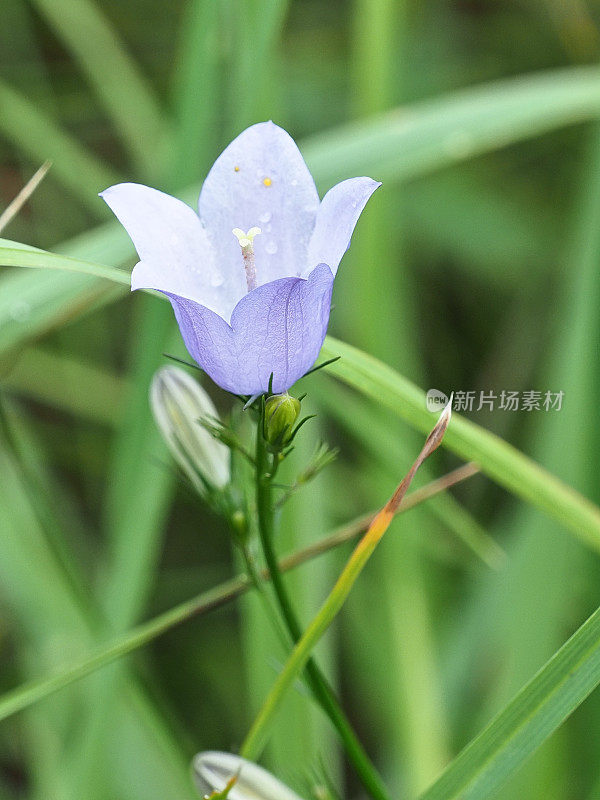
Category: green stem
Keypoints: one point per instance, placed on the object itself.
(258, 583)
(322, 691)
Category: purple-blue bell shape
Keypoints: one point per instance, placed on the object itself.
(249, 277)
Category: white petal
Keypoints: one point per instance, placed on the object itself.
(214, 769)
(338, 214)
(175, 252)
(261, 180)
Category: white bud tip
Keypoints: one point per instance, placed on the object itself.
(212, 771)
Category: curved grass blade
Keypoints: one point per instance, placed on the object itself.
(115, 77)
(15, 254)
(499, 460)
(261, 729)
(528, 720)
(35, 133)
(430, 134)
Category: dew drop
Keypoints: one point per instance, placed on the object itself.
(216, 280)
(294, 182)
(266, 217)
(271, 247)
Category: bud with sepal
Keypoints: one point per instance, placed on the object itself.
(281, 413)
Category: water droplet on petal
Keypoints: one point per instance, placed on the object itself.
(271, 247)
(216, 280)
(294, 182)
(266, 217)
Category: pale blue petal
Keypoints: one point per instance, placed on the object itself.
(175, 252)
(234, 195)
(278, 328)
(338, 214)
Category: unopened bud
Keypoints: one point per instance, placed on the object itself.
(281, 413)
(214, 770)
(178, 403)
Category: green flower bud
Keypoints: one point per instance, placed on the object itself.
(281, 413)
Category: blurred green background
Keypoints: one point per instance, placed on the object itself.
(475, 267)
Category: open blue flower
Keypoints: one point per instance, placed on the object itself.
(250, 276)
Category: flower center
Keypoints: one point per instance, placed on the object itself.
(246, 241)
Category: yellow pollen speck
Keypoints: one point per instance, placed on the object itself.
(236, 169)
(267, 182)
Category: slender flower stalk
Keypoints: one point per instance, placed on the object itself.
(257, 736)
(266, 465)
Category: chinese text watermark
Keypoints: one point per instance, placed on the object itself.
(482, 400)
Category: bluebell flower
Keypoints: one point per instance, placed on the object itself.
(249, 277)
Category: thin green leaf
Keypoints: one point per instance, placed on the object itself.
(40, 137)
(430, 134)
(527, 721)
(497, 459)
(125, 93)
(15, 254)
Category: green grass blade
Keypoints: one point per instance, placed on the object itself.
(40, 137)
(497, 459)
(195, 93)
(29, 309)
(431, 134)
(116, 79)
(255, 26)
(15, 254)
(48, 606)
(532, 716)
